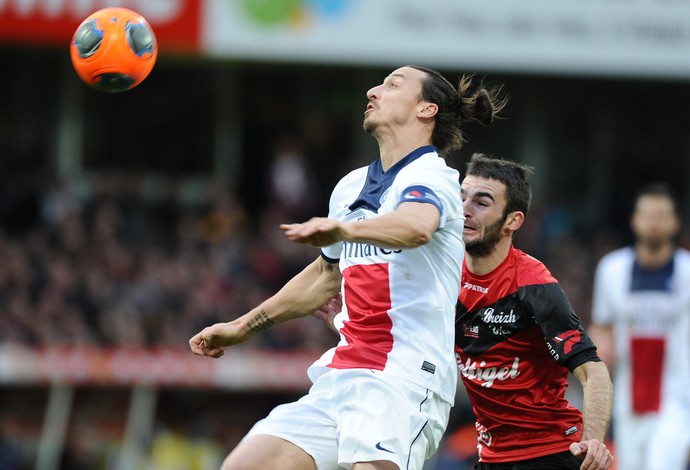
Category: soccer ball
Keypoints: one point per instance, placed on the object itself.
(113, 50)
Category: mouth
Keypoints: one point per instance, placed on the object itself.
(369, 108)
(467, 229)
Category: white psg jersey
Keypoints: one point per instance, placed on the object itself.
(646, 310)
(399, 305)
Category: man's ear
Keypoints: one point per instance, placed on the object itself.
(514, 221)
(428, 110)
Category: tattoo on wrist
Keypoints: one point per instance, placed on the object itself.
(260, 322)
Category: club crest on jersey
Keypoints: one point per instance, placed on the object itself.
(470, 331)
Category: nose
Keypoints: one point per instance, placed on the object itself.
(467, 209)
(373, 93)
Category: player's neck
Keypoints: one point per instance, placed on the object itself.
(393, 147)
(652, 256)
(481, 265)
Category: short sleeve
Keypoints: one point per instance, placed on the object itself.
(569, 343)
(601, 312)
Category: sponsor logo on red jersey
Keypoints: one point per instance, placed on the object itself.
(485, 374)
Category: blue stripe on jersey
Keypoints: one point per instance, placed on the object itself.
(657, 279)
(421, 194)
(378, 181)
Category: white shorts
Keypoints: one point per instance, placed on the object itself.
(669, 449)
(360, 415)
(632, 436)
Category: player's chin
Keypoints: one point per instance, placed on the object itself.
(469, 236)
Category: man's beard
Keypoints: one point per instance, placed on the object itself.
(369, 126)
(656, 244)
(483, 246)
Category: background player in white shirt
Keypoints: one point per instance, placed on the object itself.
(641, 300)
(381, 398)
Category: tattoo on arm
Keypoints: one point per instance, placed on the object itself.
(260, 322)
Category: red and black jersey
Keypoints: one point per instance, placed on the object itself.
(517, 337)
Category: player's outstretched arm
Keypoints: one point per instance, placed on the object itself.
(598, 400)
(411, 225)
(302, 295)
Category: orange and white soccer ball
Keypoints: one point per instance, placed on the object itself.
(113, 50)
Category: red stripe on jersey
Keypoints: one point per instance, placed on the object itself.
(368, 329)
(647, 363)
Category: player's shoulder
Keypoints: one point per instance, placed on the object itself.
(682, 263)
(431, 160)
(530, 270)
(683, 255)
(429, 168)
(346, 190)
(354, 177)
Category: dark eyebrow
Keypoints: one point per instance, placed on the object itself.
(479, 194)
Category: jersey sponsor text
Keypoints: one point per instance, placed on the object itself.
(487, 375)
(363, 250)
(474, 287)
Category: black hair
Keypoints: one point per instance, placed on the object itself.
(515, 176)
(458, 106)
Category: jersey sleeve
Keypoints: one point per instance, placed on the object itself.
(567, 341)
(438, 186)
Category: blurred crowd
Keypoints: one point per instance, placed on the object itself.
(111, 266)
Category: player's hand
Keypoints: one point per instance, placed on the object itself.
(211, 340)
(328, 312)
(318, 231)
(595, 455)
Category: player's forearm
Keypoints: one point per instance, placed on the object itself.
(301, 296)
(598, 399)
(412, 225)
